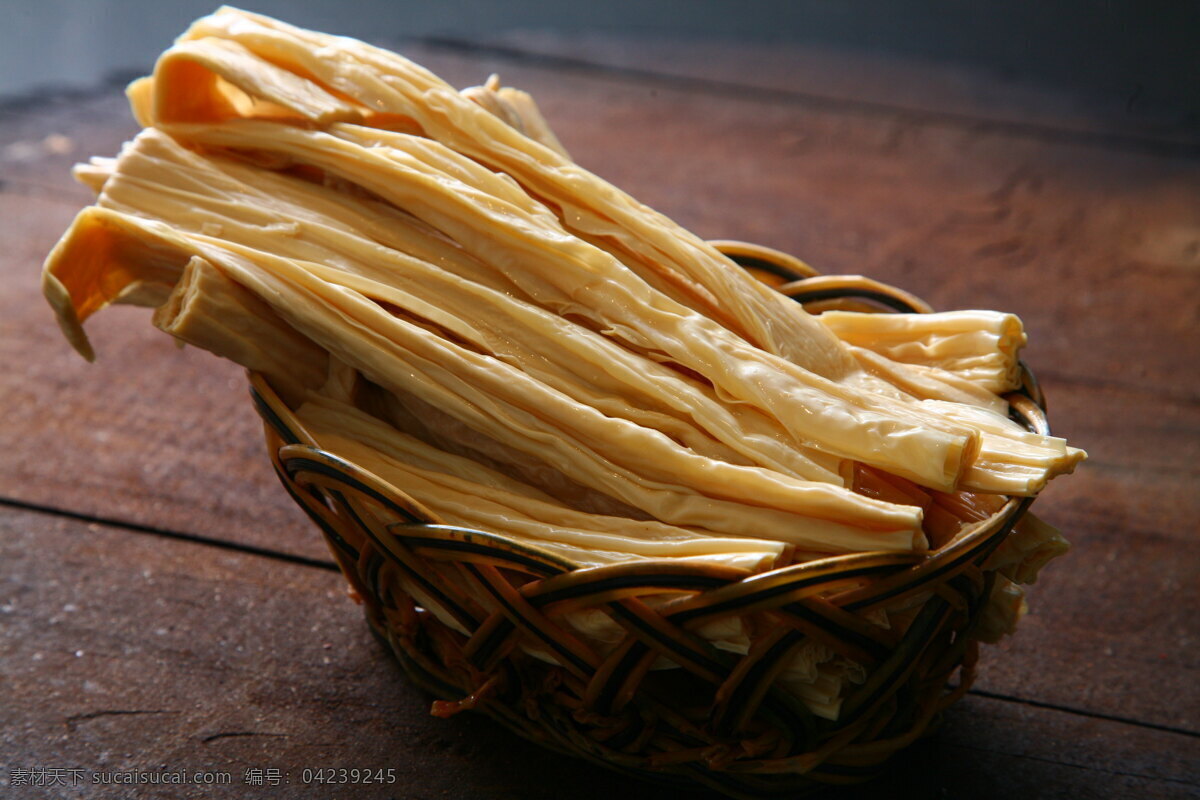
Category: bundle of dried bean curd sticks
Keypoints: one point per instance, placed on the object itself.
(451, 303)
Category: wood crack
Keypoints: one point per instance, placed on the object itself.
(235, 734)
(1085, 713)
(194, 538)
(1090, 767)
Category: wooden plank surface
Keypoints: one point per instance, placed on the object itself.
(1096, 248)
(174, 445)
(856, 81)
(126, 652)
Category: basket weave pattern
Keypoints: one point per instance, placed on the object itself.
(478, 621)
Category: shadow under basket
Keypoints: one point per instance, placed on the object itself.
(464, 612)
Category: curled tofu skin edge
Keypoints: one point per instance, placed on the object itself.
(981, 346)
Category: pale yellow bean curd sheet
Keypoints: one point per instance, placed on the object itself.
(447, 300)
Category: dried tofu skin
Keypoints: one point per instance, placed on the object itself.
(463, 492)
(447, 300)
(388, 87)
(667, 256)
(981, 347)
(206, 193)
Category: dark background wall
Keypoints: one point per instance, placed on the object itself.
(1144, 53)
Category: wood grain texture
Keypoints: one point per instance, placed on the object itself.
(123, 651)
(148, 434)
(1098, 249)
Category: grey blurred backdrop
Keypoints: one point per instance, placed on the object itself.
(1140, 54)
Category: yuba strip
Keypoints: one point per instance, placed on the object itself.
(382, 80)
(386, 83)
(160, 179)
(208, 310)
(403, 455)
(926, 383)
(459, 503)
(390, 87)
(637, 465)
(981, 476)
(571, 277)
(504, 403)
(980, 346)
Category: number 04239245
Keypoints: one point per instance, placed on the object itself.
(330, 775)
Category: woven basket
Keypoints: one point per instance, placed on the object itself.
(463, 609)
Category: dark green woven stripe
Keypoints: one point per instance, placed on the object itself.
(866, 294)
(736, 603)
(776, 269)
(273, 419)
(302, 464)
(584, 667)
(671, 581)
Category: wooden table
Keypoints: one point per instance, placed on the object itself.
(165, 607)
